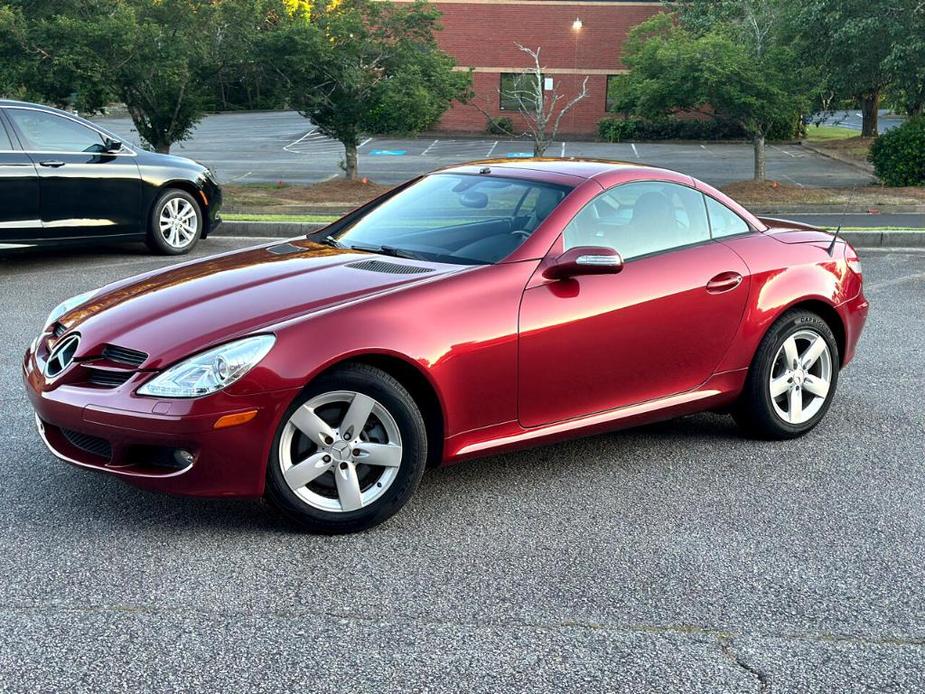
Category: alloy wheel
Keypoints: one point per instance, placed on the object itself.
(801, 377)
(178, 222)
(340, 451)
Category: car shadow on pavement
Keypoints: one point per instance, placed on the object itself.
(87, 499)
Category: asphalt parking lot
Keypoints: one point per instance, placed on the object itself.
(676, 557)
(284, 146)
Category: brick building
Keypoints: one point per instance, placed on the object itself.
(577, 37)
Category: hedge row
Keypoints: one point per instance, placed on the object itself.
(619, 130)
(898, 155)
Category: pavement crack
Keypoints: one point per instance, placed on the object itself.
(764, 679)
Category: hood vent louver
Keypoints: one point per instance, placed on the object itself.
(389, 268)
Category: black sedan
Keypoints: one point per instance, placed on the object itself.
(64, 179)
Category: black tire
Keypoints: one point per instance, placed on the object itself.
(156, 241)
(387, 391)
(755, 412)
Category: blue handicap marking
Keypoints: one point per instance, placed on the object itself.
(519, 155)
(388, 153)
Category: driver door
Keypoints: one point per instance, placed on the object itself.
(594, 343)
(83, 190)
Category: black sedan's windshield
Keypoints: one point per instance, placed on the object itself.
(454, 218)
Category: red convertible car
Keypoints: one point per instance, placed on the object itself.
(478, 309)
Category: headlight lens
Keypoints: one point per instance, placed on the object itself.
(210, 371)
(67, 305)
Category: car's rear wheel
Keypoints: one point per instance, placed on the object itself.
(792, 379)
(176, 223)
(349, 452)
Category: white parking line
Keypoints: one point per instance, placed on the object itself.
(365, 142)
(635, 151)
(563, 150)
(241, 177)
(431, 145)
(292, 144)
(793, 180)
(704, 148)
(789, 154)
(492, 149)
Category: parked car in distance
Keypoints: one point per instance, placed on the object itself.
(478, 309)
(65, 180)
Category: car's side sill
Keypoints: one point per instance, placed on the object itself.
(718, 390)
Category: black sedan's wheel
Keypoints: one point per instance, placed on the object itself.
(349, 452)
(792, 378)
(176, 223)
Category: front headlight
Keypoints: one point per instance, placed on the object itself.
(210, 371)
(68, 305)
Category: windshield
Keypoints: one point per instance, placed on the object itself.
(454, 218)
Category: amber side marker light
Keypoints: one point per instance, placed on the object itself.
(233, 420)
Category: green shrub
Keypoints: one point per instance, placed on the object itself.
(499, 126)
(619, 130)
(898, 155)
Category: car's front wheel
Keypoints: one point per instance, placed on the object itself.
(349, 452)
(792, 378)
(176, 223)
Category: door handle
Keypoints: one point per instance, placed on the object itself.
(724, 282)
(52, 163)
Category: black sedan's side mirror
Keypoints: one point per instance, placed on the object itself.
(111, 146)
(585, 260)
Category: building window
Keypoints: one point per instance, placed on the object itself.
(614, 89)
(517, 88)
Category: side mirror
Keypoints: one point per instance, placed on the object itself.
(111, 146)
(585, 260)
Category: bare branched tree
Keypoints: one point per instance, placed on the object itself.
(542, 109)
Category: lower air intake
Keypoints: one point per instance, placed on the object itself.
(89, 444)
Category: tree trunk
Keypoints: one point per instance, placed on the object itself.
(761, 168)
(350, 161)
(162, 147)
(870, 103)
(539, 147)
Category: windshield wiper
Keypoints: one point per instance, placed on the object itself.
(332, 242)
(389, 250)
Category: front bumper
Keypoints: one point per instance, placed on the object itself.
(140, 439)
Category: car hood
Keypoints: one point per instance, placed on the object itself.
(171, 313)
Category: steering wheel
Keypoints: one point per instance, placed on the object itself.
(523, 233)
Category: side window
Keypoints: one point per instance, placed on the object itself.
(723, 221)
(47, 132)
(640, 218)
(5, 142)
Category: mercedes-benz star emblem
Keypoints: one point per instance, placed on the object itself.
(62, 356)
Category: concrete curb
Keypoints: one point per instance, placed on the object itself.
(851, 161)
(285, 230)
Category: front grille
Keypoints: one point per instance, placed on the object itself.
(389, 268)
(89, 444)
(107, 379)
(124, 355)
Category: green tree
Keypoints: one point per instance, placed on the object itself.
(852, 42)
(160, 58)
(359, 66)
(906, 60)
(711, 72)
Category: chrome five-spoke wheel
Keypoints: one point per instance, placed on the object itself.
(792, 378)
(800, 377)
(340, 451)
